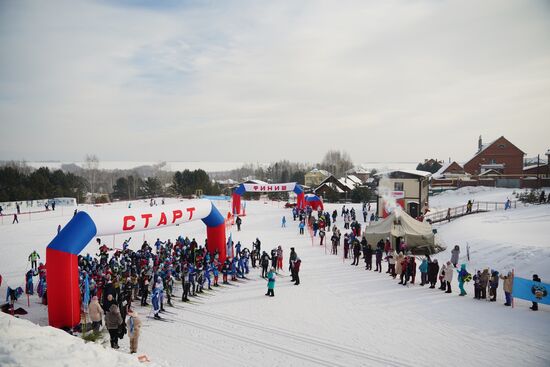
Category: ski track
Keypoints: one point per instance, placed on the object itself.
(301, 338)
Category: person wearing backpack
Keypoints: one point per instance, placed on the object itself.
(463, 277)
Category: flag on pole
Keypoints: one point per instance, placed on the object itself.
(531, 291)
(86, 297)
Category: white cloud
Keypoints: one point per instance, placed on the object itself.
(392, 80)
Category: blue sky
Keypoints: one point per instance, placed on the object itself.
(265, 80)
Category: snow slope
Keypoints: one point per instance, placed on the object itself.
(340, 315)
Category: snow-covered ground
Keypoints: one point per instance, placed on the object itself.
(340, 315)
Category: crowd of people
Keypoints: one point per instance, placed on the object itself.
(402, 264)
(114, 280)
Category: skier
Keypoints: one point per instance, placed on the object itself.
(301, 226)
(33, 257)
(271, 283)
(156, 298)
(283, 222)
(29, 286)
(225, 270)
(15, 220)
(238, 222)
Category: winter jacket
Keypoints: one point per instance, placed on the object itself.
(398, 266)
(113, 318)
(449, 274)
(508, 283)
(423, 266)
(271, 280)
(484, 278)
(433, 270)
(454, 256)
(95, 311)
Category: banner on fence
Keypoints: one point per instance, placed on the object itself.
(531, 291)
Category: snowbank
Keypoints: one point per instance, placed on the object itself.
(23, 343)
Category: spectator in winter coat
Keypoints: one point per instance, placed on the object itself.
(378, 258)
(291, 260)
(391, 258)
(367, 253)
(477, 287)
(536, 278)
(507, 286)
(443, 285)
(423, 272)
(113, 320)
(297, 265)
(387, 246)
(404, 266)
(279, 258)
(483, 282)
(448, 277)
(264, 262)
(133, 325)
(398, 264)
(454, 255)
(96, 314)
(356, 252)
(493, 285)
(433, 270)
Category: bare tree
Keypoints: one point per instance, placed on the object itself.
(336, 162)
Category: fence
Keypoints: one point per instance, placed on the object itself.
(460, 211)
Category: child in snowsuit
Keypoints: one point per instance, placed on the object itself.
(462, 278)
(271, 283)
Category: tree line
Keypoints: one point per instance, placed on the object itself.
(19, 182)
